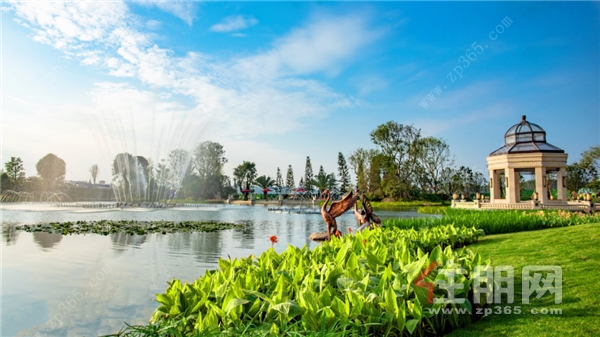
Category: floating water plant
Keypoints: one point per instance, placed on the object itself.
(105, 227)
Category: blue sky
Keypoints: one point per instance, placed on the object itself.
(275, 82)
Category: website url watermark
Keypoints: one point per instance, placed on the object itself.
(499, 310)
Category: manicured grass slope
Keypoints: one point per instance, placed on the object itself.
(577, 250)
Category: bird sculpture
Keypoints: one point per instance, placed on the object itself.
(336, 209)
(365, 217)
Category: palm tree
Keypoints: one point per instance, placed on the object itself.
(264, 182)
(244, 176)
(323, 181)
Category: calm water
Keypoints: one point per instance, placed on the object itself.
(88, 285)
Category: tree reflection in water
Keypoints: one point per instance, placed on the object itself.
(122, 241)
(9, 234)
(46, 241)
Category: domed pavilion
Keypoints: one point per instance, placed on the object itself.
(526, 151)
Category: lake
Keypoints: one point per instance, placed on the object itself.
(89, 285)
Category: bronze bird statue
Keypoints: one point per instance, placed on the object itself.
(366, 217)
(336, 209)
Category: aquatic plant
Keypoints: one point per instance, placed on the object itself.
(360, 284)
(105, 227)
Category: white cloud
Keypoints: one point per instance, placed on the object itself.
(185, 10)
(243, 97)
(153, 24)
(233, 23)
(326, 44)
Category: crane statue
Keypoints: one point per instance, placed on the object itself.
(336, 209)
(365, 217)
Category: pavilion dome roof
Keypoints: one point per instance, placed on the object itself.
(525, 137)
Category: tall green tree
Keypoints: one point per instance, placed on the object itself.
(591, 158)
(359, 162)
(344, 174)
(52, 170)
(579, 176)
(433, 157)
(400, 143)
(368, 166)
(15, 172)
(264, 182)
(289, 179)
(94, 172)
(244, 175)
(308, 175)
(208, 161)
(4, 181)
(278, 181)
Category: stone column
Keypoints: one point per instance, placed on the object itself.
(561, 191)
(512, 189)
(495, 188)
(540, 176)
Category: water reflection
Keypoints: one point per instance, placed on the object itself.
(10, 235)
(122, 241)
(127, 293)
(47, 241)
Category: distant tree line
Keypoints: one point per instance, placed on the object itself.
(406, 166)
(402, 166)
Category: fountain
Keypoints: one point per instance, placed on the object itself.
(149, 146)
(35, 196)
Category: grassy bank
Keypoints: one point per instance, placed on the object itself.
(575, 250)
(499, 221)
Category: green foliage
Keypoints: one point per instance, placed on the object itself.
(360, 284)
(15, 173)
(400, 143)
(433, 210)
(208, 161)
(308, 175)
(244, 175)
(278, 181)
(433, 157)
(498, 221)
(105, 227)
(52, 170)
(264, 182)
(324, 181)
(344, 174)
(394, 205)
(289, 179)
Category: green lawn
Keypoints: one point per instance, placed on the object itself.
(576, 250)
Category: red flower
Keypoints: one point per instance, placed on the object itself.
(350, 230)
(273, 239)
(338, 233)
